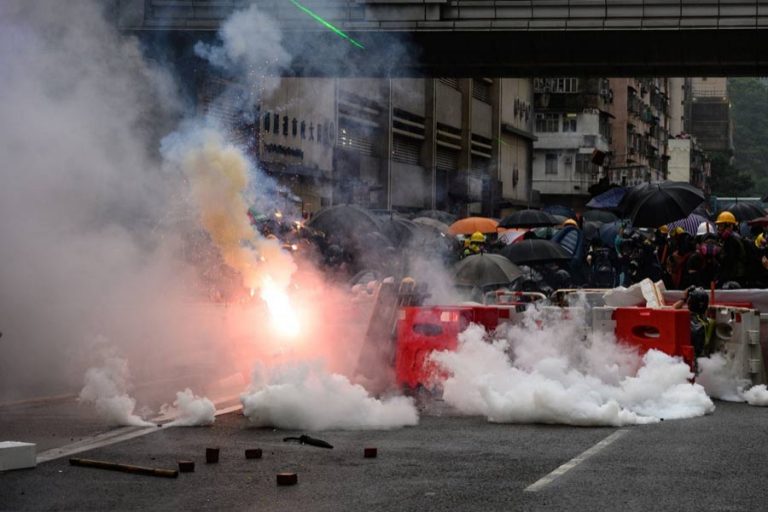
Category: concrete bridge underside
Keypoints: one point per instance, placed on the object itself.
(489, 37)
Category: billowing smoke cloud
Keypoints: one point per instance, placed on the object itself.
(558, 373)
(106, 387)
(307, 397)
(721, 381)
(218, 175)
(85, 209)
(190, 410)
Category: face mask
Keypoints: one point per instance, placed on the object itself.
(725, 235)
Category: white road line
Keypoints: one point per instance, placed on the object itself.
(543, 482)
(109, 438)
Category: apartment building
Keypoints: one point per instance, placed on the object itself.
(709, 114)
(573, 130)
(640, 130)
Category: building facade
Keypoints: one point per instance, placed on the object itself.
(573, 130)
(460, 145)
(709, 114)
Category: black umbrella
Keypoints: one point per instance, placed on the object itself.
(444, 217)
(590, 230)
(344, 219)
(652, 205)
(485, 270)
(528, 219)
(535, 251)
(744, 211)
(603, 216)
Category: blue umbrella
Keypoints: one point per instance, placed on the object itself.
(609, 232)
(608, 200)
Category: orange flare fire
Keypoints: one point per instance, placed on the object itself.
(284, 318)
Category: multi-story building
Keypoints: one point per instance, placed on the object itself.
(462, 145)
(687, 160)
(573, 130)
(640, 130)
(709, 114)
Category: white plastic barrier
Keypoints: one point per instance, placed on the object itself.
(737, 336)
(602, 319)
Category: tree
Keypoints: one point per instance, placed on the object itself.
(727, 180)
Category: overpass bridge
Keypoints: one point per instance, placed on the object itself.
(504, 38)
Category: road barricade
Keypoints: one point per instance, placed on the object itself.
(420, 331)
(666, 330)
(737, 337)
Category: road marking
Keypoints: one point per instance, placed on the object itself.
(548, 479)
(112, 437)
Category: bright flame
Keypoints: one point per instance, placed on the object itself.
(284, 317)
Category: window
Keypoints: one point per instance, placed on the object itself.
(550, 165)
(406, 149)
(569, 123)
(294, 126)
(481, 90)
(584, 164)
(266, 122)
(547, 123)
(275, 123)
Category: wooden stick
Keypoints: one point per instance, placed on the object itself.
(125, 468)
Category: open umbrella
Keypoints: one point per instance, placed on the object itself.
(470, 225)
(485, 270)
(651, 205)
(691, 223)
(344, 219)
(608, 233)
(528, 219)
(744, 211)
(433, 223)
(535, 251)
(603, 216)
(562, 210)
(608, 200)
(444, 217)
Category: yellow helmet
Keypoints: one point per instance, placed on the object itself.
(664, 229)
(570, 222)
(760, 241)
(725, 218)
(677, 231)
(477, 237)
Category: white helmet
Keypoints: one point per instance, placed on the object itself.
(705, 228)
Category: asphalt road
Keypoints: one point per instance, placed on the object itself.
(446, 463)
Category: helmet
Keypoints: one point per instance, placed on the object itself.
(731, 285)
(664, 229)
(704, 229)
(725, 218)
(477, 237)
(698, 301)
(677, 231)
(570, 222)
(760, 241)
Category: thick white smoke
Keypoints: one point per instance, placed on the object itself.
(190, 410)
(83, 205)
(106, 387)
(307, 397)
(721, 381)
(546, 371)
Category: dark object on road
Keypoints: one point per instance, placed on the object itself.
(287, 479)
(528, 219)
(652, 205)
(535, 251)
(211, 455)
(186, 466)
(370, 453)
(253, 453)
(305, 439)
(125, 468)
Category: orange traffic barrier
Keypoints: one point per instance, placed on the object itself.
(666, 330)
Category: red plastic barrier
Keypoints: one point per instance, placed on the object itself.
(420, 331)
(666, 330)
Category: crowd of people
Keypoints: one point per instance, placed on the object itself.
(727, 253)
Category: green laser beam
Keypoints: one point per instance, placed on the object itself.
(326, 24)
